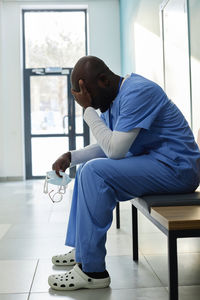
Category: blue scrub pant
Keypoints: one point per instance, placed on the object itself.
(99, 184)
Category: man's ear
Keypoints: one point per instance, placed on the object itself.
(103, 80)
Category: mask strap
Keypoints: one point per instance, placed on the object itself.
(52, 197)
(62, 189)
(45, 188)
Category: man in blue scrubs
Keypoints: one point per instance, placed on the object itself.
(144, 146)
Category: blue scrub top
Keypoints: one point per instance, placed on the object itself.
(165, 133)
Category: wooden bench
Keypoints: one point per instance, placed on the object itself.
(177, 216)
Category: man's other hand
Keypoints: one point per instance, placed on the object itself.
(62, 163)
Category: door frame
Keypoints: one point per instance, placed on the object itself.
(27, 74)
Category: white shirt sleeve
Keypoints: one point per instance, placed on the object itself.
(115, 144)
(85, 154)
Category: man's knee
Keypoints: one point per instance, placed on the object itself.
(79, 169)
(93, 167)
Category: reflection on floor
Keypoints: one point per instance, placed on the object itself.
(32, 229)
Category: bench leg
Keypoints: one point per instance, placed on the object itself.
(135, 232)
(173, 266)
(117, 216)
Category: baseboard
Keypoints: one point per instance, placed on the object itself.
(11, 178)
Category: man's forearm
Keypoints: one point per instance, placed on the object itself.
(86, 154)
(115, 144)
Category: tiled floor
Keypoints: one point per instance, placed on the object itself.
(32, 229)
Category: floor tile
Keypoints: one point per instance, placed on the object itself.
(105, 294)
(44, 269)
(4, 229)
(145, 225)
(14, 296)
(152, 243)
(43, 230)
(59, 216)
(189, 245)
(156, 243)
(25, 216)
(188, 266)
(32, 228)
(127, 274)
(189, 292)
(16, 275)
(31, 248)
(124, 274)
(119, 244)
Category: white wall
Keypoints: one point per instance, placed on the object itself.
(141, 45)
(104, 41)
(11, 130)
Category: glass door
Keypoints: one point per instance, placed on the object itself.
(53, 121)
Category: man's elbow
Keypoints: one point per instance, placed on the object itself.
(115, 154)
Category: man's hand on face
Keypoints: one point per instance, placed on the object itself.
(62, 163)
(83, 97)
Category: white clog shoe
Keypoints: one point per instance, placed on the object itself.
(76, 279)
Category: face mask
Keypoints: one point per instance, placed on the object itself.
(61, 182)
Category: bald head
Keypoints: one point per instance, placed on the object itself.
(99, 80)
(88, 68)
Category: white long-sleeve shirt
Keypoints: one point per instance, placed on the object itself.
(111, 144)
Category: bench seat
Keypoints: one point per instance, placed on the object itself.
(146, 202)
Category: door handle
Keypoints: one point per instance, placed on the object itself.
(64, 128)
